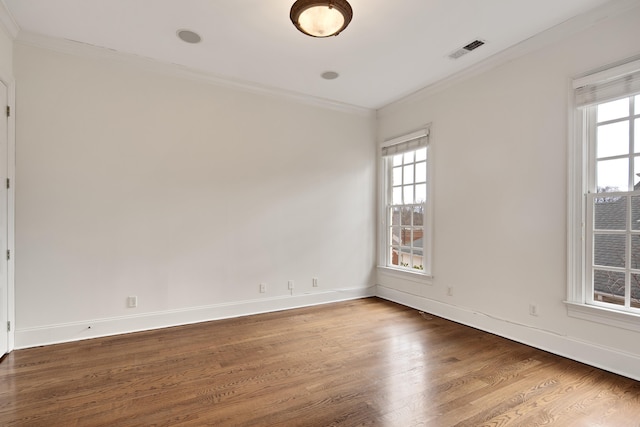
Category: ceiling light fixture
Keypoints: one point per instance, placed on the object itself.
(317, 18)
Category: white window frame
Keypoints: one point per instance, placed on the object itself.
(424, 275)
(591, 89)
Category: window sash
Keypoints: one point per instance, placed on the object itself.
(405, 249)
(627, 270)
(609, 295)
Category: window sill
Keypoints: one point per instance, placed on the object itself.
(603, 315)
(422, 278)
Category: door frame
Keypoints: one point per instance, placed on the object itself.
(11, 175)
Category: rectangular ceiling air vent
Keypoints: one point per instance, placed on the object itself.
(466, 49)
(473, 45)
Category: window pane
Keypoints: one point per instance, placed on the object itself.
(416, 262)
(635, 252)
(610, 213)
(608, 286)
(408, 157)
(406, 237)
(397, 160)
(637, 105)
(397, 196)
(421, 154)
(395, 235)
(635, 213)
(418, 215)
(408, 174)
(408, 194)
(636, 138)
(421, 193)
(406, 216)
(635, 290)
(609, 250)
(395, 216)
(417, 241)
(405, 257)
(421, 172)
(613, 110)
(612, 175)
(397, 176)
(613, 139)
(394, 258)
(636, 171)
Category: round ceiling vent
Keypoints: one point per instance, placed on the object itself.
(189, 36)
(329, 75)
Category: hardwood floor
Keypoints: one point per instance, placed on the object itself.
(363, 362)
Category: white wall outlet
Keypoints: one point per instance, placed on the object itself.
(291, 284)
(263, 288)
(132, 301)
(314, 282)
(450, 291)
(533, 309)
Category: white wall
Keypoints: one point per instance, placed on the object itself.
(135, 182)
(6, 54)
(500, 146)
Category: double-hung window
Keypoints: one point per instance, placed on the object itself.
(406, 224)
(604, 208)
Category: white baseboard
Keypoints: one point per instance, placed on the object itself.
(54, 334)
(585, 352)
(592, 354)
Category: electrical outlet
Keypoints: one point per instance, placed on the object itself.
(291, 284)
(132, 301)
(263, 288)
(314, 282)
(533, 309)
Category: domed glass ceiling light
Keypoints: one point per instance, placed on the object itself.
(318, 18)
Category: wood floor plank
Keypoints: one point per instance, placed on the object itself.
(366, 362)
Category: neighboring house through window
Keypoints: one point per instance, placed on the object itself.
(407, 213)
(604, 208)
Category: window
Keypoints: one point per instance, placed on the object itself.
(613, 204)
(406, 215)
(604, 208)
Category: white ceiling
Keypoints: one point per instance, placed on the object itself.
(391, 48)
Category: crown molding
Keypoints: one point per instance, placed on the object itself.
(532, 44)
(8, 24)
(85, 50)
